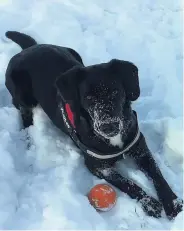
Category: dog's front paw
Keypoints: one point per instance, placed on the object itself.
(151, 206)
(173, 208)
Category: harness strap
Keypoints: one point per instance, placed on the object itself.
(126, 149)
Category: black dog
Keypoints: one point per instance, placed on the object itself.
(93, 106)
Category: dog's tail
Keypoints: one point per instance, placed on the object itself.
(23, 40)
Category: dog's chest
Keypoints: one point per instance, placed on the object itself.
(116, 141)
(91, 140)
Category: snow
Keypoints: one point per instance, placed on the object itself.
(44, 185)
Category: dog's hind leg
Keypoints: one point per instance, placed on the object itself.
(27, 116)
(25, 112)
(23, 98)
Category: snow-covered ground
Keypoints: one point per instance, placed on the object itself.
(45, 186)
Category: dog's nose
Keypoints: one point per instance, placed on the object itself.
(110, 129)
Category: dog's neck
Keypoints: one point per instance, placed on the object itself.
(121, 139)
(93, 140)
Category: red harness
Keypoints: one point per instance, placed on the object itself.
(70, 114)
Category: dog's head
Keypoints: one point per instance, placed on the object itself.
(102, 95)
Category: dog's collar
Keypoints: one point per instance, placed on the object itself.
(94, 153)
(113, 155)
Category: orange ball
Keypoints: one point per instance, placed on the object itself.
(102, 197)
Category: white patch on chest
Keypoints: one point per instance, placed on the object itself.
(116, 141)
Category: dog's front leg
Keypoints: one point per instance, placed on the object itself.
(145, 161)
(105, 171)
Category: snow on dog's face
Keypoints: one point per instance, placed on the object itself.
(101, 94)
(106, 97)
(103, 99)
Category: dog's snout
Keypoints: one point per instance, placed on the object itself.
(110, 129)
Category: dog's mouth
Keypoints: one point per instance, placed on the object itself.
(104, 127)
(108, 129)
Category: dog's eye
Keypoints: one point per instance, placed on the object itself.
(114, 92)
(89, 97)
(92, 99)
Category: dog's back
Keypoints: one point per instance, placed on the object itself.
(36, 68)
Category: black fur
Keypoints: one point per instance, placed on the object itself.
(100, 97)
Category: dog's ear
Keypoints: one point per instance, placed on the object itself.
(67, 87)
(128, 73)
